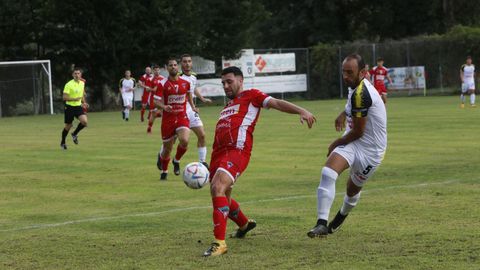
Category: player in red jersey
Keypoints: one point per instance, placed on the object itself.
(231, 151)
(154, 85)
(378, 75)
(144, 81)
(171, 96)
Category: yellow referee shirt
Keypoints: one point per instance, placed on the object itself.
(74, 90)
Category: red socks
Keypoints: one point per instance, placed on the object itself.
(149, 114)
(142, 113)
(236, 215)
(220, 213)
(165, 162)
(180, 152)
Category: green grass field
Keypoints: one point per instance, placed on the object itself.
(100, 204)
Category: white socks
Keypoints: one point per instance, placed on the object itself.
(202, 153)
(326, 192)
(462, 98)
(472, 99)
(349, 203)
(127, 113)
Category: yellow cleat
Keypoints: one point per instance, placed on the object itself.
(216, 249)
(462, 106)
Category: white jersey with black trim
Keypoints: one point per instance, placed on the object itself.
(127, 84)
(364, 101)
(192, 79)
(468, 73)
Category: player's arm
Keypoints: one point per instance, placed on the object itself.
(190, 100)
(66, 96)
(354, 134)
(340, 121)
(285, 106)
(389, 79)
(461, 74)
(84, 99)
(199, 96)
(161, 105)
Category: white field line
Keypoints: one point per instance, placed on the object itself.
(174, 210)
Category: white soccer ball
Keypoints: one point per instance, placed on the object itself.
(195, 175)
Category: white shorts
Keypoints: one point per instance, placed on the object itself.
(127, 99)
(362, 164)
(194, 118)
(468, 86)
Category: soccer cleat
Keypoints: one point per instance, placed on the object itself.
(149, 130)
(215, 249)
(159, 162)
(205, 164)
(63, 146)
(241, 233)
(336, 223)
(320, 230)
(176, 167)
(75, 138)
(126, 119)
(462, 106)
(473, 105)
(163, 176)
(141, 119)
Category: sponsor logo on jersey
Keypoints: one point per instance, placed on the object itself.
(229, 111)
(176, 99)
(224, 125)
(229, 164)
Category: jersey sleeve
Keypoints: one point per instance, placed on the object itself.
(120, 83)
(259, 98)
(361, 101)
(67, 89)
(159, 92)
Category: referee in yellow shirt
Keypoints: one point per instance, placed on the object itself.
(74, 97)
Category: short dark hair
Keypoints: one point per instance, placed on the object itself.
(185, 55)
(360, 61)
(171, 58)
(469, 57)
(233, 69)
(156, 66)
(380, 59)
(77, 69)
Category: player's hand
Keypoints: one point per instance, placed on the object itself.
(207, 100)
(85, 105)
(340, 122)
(167, 108)
(308, 117)
(195, 109)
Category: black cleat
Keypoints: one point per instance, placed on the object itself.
(176, 167)
(63, 146)
(241, 233)
(126, 119)
(205, 164)
(75, 139)
(163, 176)
(320, 230)
(159, 162)
(336, 223)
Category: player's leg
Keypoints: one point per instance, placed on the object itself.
(336, 164)
(152, 114)
(350, 200)
(183, 133)
(472, 96)
(384, 98)
(236, 215)
(201, 144)
(83, 123)
(220, 185)
(164, 157)
(462, 95)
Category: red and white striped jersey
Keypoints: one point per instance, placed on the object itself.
(237, 121)
(173, 93)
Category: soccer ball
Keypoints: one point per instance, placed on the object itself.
(195, 175)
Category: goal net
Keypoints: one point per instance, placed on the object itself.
(25, 88)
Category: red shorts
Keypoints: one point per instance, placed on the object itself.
(147, 99)
(232, 162)
(381, 89)
(171, 124)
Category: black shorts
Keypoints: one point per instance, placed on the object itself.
(71, 112)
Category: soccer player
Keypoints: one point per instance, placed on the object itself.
(171, 96)
(467, 76)
(126, 88)
(74, 97)
(147, 95)
(231, 151)
(378, 75)
(196, 124)
(361, 148)
(154, 85)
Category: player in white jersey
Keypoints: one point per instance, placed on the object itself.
(361, 148)
(126, 88)
(467, 76)
(196, 124)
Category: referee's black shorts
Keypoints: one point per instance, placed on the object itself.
(71, 112)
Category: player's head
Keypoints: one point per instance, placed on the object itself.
(172, 66)
(353, 70)
(232, 81)
(148, 70)
(156, 70)
(77, 73)
(186, 62)
(128, 73)
(469, 60)
(380, 61)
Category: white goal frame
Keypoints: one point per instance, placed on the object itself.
(47, 69)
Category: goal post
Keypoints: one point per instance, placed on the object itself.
(26, 87)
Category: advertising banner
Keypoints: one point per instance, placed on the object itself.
(280, 62)
(407, 78)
